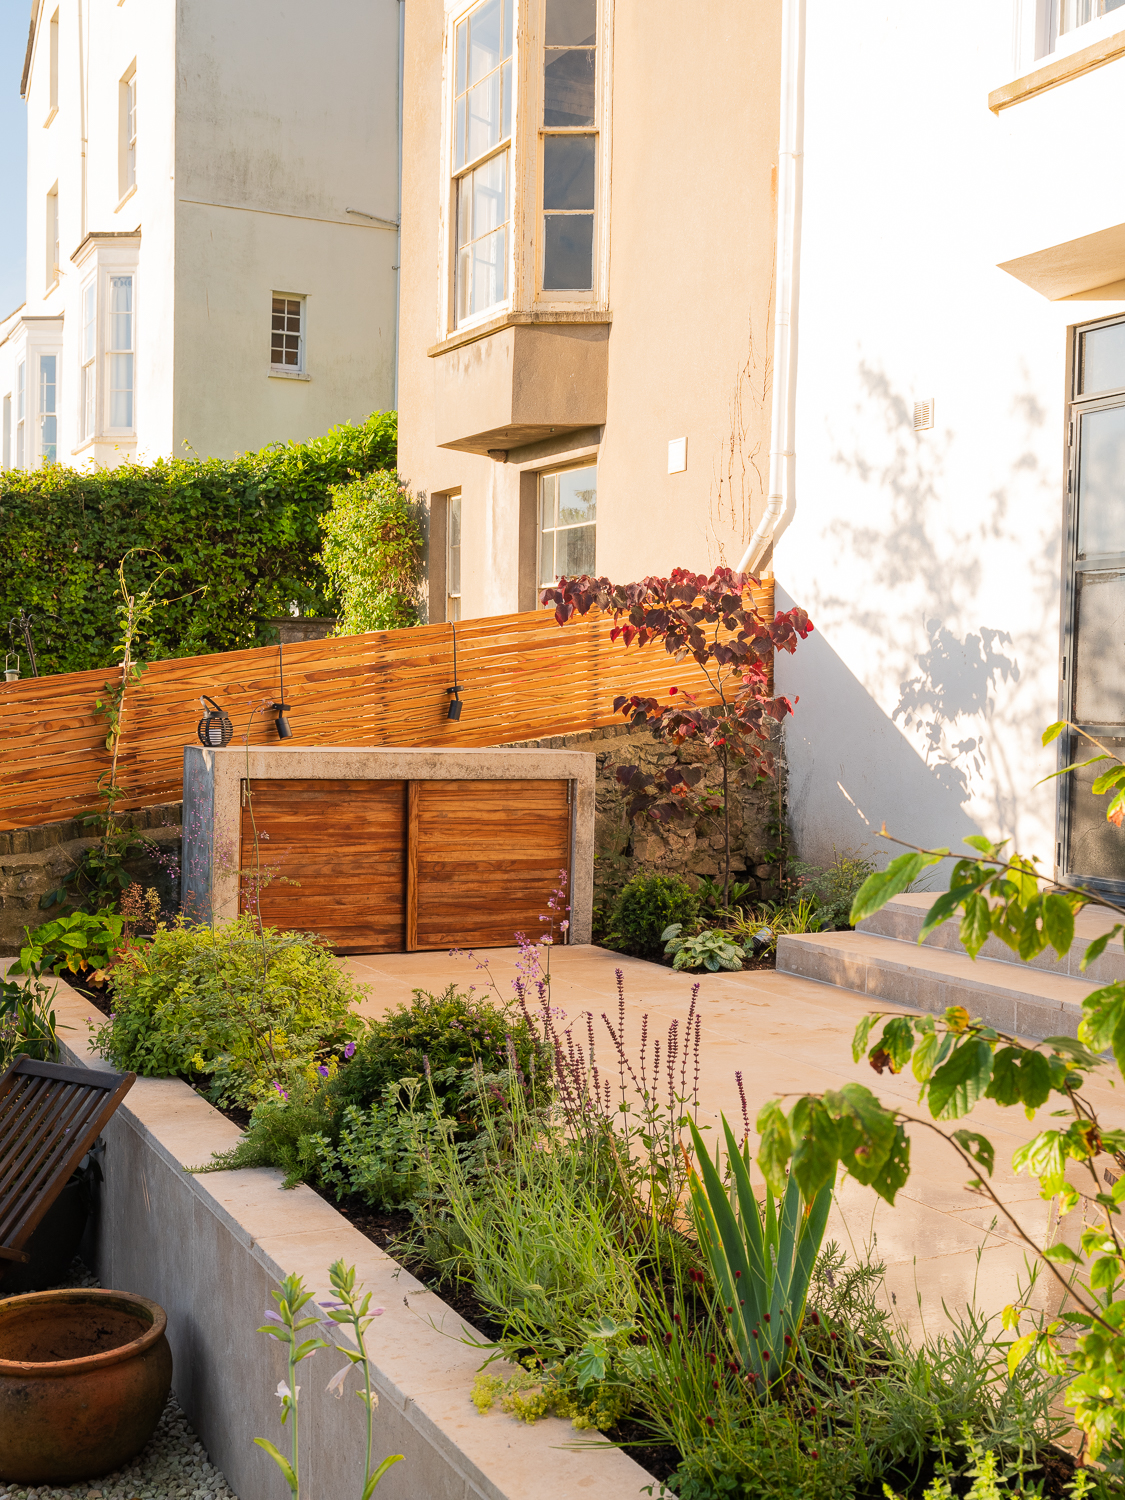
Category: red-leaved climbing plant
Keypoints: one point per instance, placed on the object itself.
(713, 620)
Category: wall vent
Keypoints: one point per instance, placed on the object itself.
(923, 414)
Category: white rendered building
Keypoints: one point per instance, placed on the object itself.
(211, 231)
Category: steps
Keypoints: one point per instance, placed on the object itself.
(883, 959)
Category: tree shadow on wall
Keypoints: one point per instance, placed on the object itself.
(851, 768)
(968, 693)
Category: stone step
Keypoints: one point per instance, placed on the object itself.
(902, 919)
(1017, 999)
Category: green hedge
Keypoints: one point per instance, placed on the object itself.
(246, 530)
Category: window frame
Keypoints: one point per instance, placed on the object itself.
(110, 351)
(453, 600)
(297, 371)
(88, 362)
(6, 431)
(53, 238)
(1048, 41)
(21, 413)
(53, 69)
(1071, 746)
(540, 479)
(505, 148)
(127, 134)
(43, 412)
(561, 296)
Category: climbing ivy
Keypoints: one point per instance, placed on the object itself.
(238, 541)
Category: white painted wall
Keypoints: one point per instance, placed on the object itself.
(282, 117)
(931, 562)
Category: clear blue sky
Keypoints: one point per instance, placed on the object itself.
(14, 18)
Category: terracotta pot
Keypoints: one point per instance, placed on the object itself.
(84, 1375)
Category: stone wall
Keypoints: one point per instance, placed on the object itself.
(622, 849)
(33, 861)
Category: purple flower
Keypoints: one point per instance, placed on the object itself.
(349, 1050)
(323, 1071)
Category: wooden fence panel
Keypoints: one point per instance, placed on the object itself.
(524, 678)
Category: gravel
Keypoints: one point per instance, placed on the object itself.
(174, 1466)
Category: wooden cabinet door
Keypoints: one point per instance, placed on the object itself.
(484, 858)
(332, 860)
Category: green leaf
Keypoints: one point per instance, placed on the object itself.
(816, 1145)
(1004, 1085)
(979, 1147)
(1058, 922)
(590, 1364)
(1102, 1012)
(926, 1055)
(896, 1169)
(1078, 765)
(859, 1040)
(961, 1080)
(881, 887)
(1018, 1351)
(976, 924)
(282, 1463)
(980, 843)
(380, 1472)
(1052, 732)
(1105, 1273)
(1061, 1254)
(943, 908)
(1107, 779)
(897, 1042)
(1034, 1080)
(1098, 946)
(776, 1146)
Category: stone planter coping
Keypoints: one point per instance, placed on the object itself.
(210, 1249)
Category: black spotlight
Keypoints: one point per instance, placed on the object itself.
(282, 725)
(215, 729)
(454, 710)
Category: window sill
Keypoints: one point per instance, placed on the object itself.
(517, 320)
(288, 375)
(125, 199)
(52, 112)
(1059, 71)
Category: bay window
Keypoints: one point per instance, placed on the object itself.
(88, 392)
(568, 513)
(482, 131)
(48, 407)
(120, 353)
(21, 411)
(569, 144)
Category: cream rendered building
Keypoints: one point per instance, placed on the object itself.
(955, 521)
(588, 262)
(212, 247)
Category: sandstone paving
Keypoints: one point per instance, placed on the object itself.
(942, 1244)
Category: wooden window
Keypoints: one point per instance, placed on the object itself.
(6, 450)
(287, 334)
(127, 133)
(53, 65)
(481, 167)
(569, 144)
(453, 559)
(88, 395)
(121, 354)
(568, 513)
(393, 866)
(21, 407)
(48, 407)
(52, 236)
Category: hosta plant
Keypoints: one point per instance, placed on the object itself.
(710, 949)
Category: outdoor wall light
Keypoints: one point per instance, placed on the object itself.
(454, 709)
(215, 728)
(282, 723)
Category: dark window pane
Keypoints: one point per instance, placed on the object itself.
(568, 89)
(1099, 696)
(290, 356)
(484, 39)
(279, 320)
(279, 304)
(1103, 358)
(568, 171)
(571, 23)
(568, 252)
(1097, 848)
(1101, 482)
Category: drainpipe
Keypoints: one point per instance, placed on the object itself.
(785, 279)
(398, 257)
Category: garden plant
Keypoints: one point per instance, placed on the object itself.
(714, 621)
(372, 553)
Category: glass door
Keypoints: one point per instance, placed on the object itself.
(1091, 850)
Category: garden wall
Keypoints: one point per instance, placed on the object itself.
(210, 1249)
(33, 860)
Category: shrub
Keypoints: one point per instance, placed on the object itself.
(446, 1036)
(373, 553)
(240, 540)
(834, 886)
(347, 1132)
(245, 1008)
(647, 905)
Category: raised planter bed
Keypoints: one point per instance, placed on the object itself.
(210, 1249)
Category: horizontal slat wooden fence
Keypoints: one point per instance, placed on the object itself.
(524, 677)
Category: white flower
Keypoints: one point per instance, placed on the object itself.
(336, 1384)
(286, 1394)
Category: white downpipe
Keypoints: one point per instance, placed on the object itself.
(785, 279)
(398, 220)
